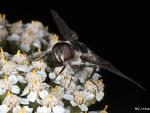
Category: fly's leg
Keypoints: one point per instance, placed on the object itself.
(63, 68)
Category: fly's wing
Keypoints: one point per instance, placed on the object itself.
(109, 67)
(67, 33)
(79, 46)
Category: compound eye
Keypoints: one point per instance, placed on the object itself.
(67, 51)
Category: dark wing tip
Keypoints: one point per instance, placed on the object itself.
(109, 67)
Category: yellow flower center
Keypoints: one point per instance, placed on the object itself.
(6, 62)
(9, 94)
(33, 82)
(5, 77)
(50, 97)
(2, 54)
(34, 72)
(18, 53)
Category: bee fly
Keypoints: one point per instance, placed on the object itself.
(70, 49)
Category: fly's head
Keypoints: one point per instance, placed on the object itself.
(62, 51)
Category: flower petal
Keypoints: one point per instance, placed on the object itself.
(24, 101)
(12, 79)
(2, 91)
(2, 87)
(32, 96)
(83, 107)
(43, 109)
(21, 79)
(43, 94)
(25, 91)
(16, 109)
(52, 75)
(45, 86)
(25, 47)
(68, 97)
(37, 44)
(99, 96)
(42, 73)
(58, 109)
(23, 68)
(73, 103)
(14, 37)
(3, 108)
(89, 95)
(96, 76)
(15, 89)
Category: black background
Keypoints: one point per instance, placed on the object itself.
(117, 33)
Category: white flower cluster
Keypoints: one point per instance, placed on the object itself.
(24, 83)
(26, 36)
(34, 86)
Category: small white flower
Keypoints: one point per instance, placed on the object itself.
(39, 65)
(20, 59)
(17, 28)
(35, 85)
(95, 87)
(8, 83)
(11, 100)
(79, 100)
(35, 88)
(50, 101)
(9, 68)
